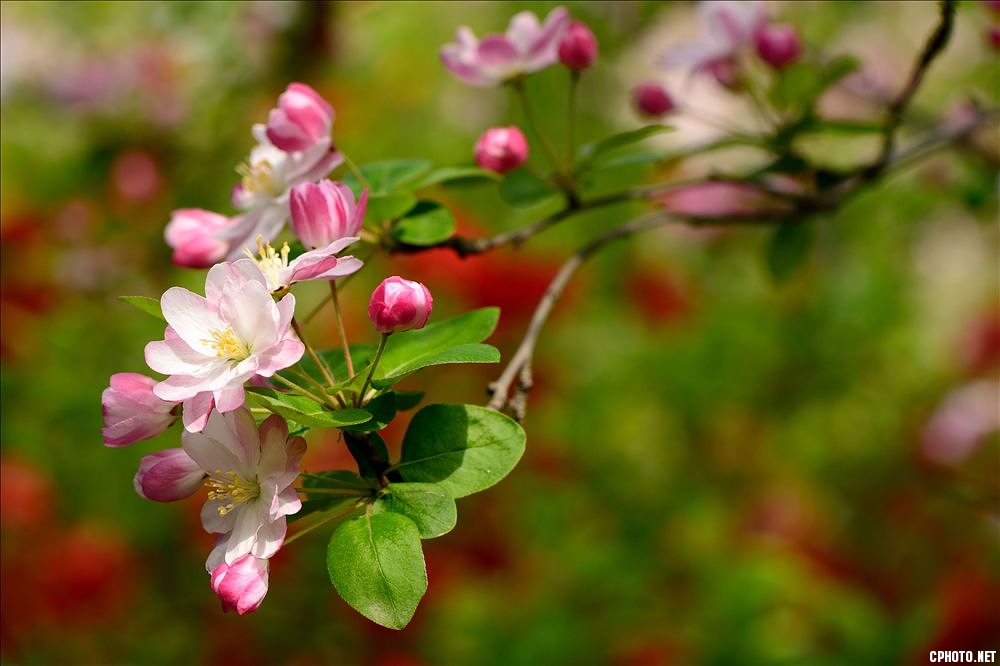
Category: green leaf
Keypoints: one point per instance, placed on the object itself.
(382, 207)
(523, 189)
(150, 306)
(456, 174)
(594, 150)
(389, 175)
(797, 85)
(788, 249)
(306, 411)
(377, 566)
(408, 399)
(427, 223)
(430, 508)
(452, 340)
(462, 448)
(382, 409)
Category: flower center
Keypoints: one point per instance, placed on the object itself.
(224, 486)
(271, 261)
(258, 178)
(227, 345)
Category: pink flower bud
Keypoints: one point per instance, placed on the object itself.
(194, 235)
(399, 305)
(578, 47)
(501, 149)
(326, 212)
(993, 37)
(242, 585)
(302, 119)
(778, 45)
(652, 100)
(168, 476)
(131, 411)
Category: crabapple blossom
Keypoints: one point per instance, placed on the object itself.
(526, 47)
(325, 212)
(194, 235)
(652, 100)
(778, 44)
(249, 474)
(578, 47)
(501, 149)
(318, 264)
(301, 120)
(167, 476)
(727, 26)
(242, 585)
(213, 344)
(131, 411)
(399, 305)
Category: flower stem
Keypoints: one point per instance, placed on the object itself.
(371, 371)
(574, 80)
(309, 394)
(320, 363)
(341, 330)
(353, 168)
(324, 521)
(529, 117)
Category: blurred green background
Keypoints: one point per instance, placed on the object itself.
(720, 469)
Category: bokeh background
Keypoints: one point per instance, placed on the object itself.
(721, 469)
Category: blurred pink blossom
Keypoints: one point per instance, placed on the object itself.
(195, 236)
(963, 418)
(727, 26)
(578, 47)
(526, 47)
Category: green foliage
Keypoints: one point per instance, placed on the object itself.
(377, 566)
(306, 412)
(456, 175)
(388, 176)
(462, 448)
(427, 223)
(523, 189)
(430, 508)
(788, 249)
(150, 306)
(382, 207)
(599, 151)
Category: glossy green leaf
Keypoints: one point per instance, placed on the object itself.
(430, 508)
(306, 411)
(150, 306)
(456, 175)
(382, 410)
(382, 207)
(389, 175)
(408, 399)
(462, 448)
(339, 489)
(522, 189)
(453, 340)
(788, 249)
(377, 566)
(427, 223)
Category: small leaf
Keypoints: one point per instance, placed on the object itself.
(462, 448)
(595, 150)
(430, 508)
(407, 352)
(377, 566)
(382, 409)
(382, 207)
(150, 306)
(427, 223)
(788, 249)
(466, 353)
(306, 411)
(408, 399)
(347, 488)
(456, 175)
(388, 176)
(523, 189)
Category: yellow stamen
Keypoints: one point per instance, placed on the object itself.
(231, 486)
(271, 262)
(227, 345)
(258, 178)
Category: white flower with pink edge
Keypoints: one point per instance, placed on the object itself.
(213, 344)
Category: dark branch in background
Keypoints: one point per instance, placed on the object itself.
(782, 207)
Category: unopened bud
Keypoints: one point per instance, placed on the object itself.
(652, 100)
(778, 45)
(578, 48)
(501, 149)
(399, 305)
